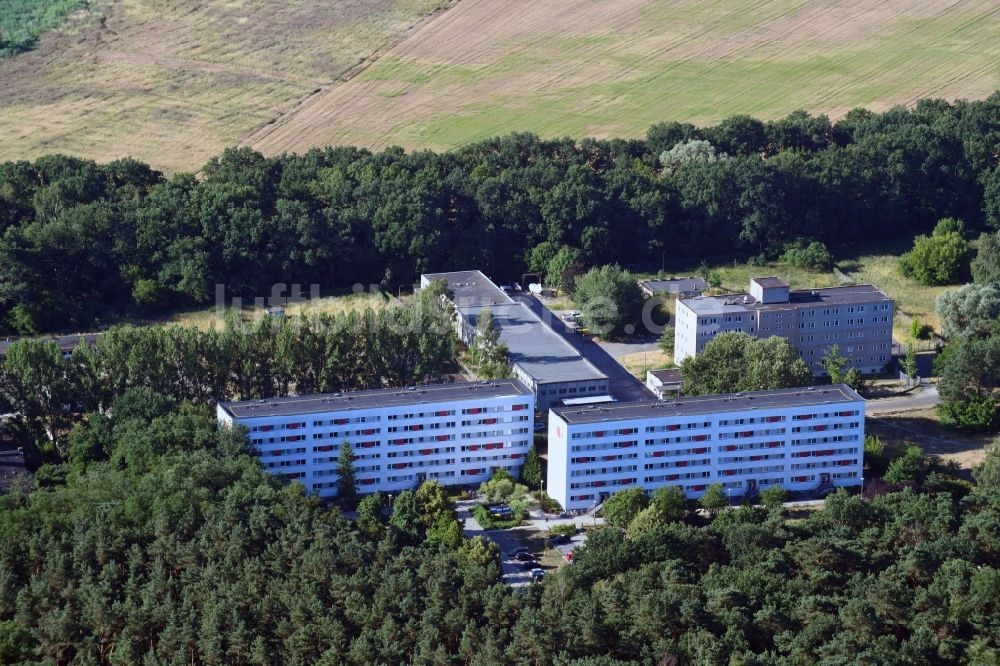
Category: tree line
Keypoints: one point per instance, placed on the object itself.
(400, 345)
(81, 242)
(969, 365)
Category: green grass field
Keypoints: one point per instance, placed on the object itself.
(584, 68)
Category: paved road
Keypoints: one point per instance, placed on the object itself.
(624, 386)
(922, 398)
(513, 573)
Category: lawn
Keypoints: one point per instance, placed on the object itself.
(875, 264)
(584, 68)
(209, 318)
(639, 362)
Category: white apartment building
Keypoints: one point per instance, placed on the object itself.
(456, 434)
(800, 439)
(857, 318)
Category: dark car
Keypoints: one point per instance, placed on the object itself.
(524, 556)
(537, 574)
(529, 565)
(517, 551)
(559, 539)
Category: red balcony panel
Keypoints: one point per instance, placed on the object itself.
(340, 421)
(658, 454)
(367, 482)
(442, 438)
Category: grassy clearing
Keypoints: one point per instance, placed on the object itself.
(875, 265)
(211, 318)
(639, 362)
(579, 68)
(923, 428)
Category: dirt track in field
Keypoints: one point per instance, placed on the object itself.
(612, 67)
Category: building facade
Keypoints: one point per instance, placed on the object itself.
(858, 319)
(456, 434)
(539, 357)
(799, 439)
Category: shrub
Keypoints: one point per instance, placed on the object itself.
(815, 255)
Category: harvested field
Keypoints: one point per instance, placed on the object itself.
(173, 82)
(613, 67)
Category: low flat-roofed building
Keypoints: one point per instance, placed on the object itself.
(456, 434)
(856, 318)
(664, 383)
(800, 439)
(540, 357)
(675, 287)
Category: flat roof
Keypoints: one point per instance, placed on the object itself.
(860, 293)
(711, 404)
(772, 282)
(668, 375)
(534, 346)
(392, 397)
(471, 288)
(675, 285)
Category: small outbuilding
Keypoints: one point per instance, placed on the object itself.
(675, 287)
(664, 383)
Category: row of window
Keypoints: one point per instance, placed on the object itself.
(758, 483)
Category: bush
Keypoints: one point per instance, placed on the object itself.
(488, 522)
(815, 255)
(567, 529)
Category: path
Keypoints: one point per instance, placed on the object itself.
(922, 398)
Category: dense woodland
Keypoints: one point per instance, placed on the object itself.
(81, 241)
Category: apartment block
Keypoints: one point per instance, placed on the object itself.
(456, 434)
(800, 439)
(857, 318)
(539, 357)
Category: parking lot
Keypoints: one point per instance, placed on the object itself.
(531, 536)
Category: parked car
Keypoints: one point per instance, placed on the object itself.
(506, 288)
(540, 427)
(559, 539)
(517, 551)
(524, 556)
(537, 574)
(529, 565)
